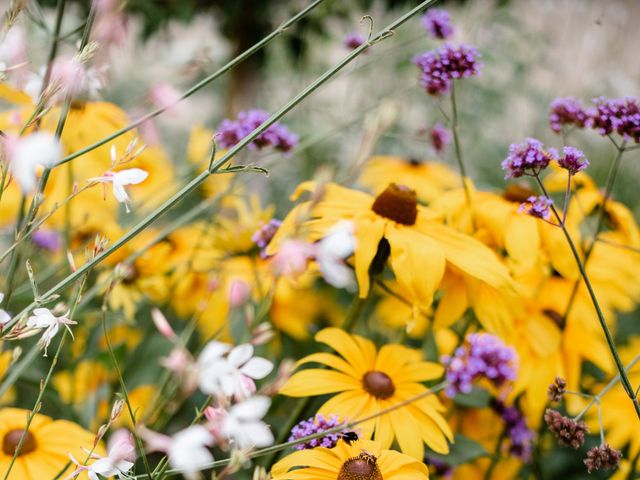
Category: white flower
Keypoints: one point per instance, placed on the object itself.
(26, 153)
(44, 319)
(4, 316)
(332, 251)
(188, 451)
(223, 370)
(121, 455)
(130, 176)
(243, 423)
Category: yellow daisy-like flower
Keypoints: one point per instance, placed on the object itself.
(46, 448)
(362, 460)
(394, 225)
(368, 381)
(428, 179)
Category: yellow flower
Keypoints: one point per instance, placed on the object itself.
(362, 460)
(394, 225)
(82, 384)
(368, 382)
(237, 223)
(45, 451)
(428, 179)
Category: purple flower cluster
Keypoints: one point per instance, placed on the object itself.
(602, 457)
(314, 425)
(265, 233)
(621, 115)
(353, 40)
(230, 132)
(520, 436)
(573, 160)
(537, 206)
(47, 239)
(484, 355)
(439, 137)
(527, 158)
(438, 23)
(440, 67)
(567, 111)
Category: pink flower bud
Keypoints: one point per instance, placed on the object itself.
(291, 259)
(161, 323)
(239, 293)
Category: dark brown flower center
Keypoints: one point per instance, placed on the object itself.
(555, 317)
(362, 467)
(518, 193)
(12, 439)
(378, 384)
(398, 203)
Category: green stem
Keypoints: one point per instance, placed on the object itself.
(603, 323)
(456, 143)
(611, 180)
(495, 458)
(215, 166)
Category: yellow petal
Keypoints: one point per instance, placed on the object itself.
(329, 360)
(452, 305)
(315, 381)
(347, 346)
(368, 233)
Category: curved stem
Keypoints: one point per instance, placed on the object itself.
(603, 323)
(456, 143)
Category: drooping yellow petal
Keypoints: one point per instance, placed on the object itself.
(368, 233)
(417, 261)
(452, 305)
(522, 240)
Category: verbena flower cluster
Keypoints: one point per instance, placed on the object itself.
(231, 132)
(353, 40)
(537, 206)
(568, 432)
(317, 424)
(440, 137)
(527, 158)
(573, 160)
(439, 68)
(602, 457)
(483, 356)
(519, 434)
(265, 233)
(438, 23)
(567, 112)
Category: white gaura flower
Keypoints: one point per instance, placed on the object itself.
(187, 450)
(228, 371)
(4, 316)
(42, 318)
(332, 251)
(121, 455)
(25, 154)
(243, 423)
(121, 178)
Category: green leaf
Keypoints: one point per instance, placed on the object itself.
(477, 398)
(463, 450)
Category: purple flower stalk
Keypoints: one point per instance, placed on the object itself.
(353, 40)
(440, 137)
(47, 239)
(573, 160)
(537, 206)
(265, 233)
(527, 158)
(620, 115)
(438, 23)
(567, 111)
(483, 356)
(230, 132)
(520, 436)
(439, 68)
(314, 425)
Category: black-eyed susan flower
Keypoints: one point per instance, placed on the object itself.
(367, 381)
(361, 460)
(46, 447)
(393, 225)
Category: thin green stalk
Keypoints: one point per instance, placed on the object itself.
(123, 387)
(456, 143)
(276, 448)
(46, 381)
(217, 165)
(608, 191)
(603, 323)
(495, 458)
(237, 60)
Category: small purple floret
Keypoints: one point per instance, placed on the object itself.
(621, 115)
(47, 239)
(265, 233)
(537, 206)
(440, 137)
(527, 158)
(484, 355)
(573, 160)
(438, 23)
(230, 132)
(314, 425)
(520, 435)
(353, 40)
